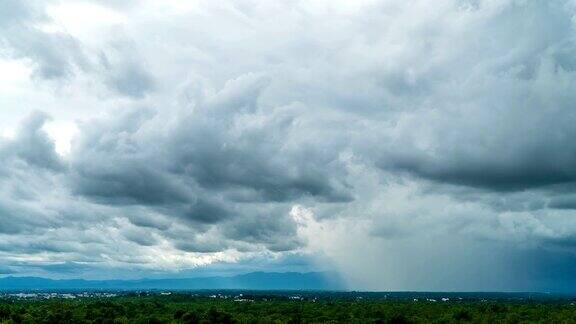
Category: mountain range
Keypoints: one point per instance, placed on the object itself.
(248, 281)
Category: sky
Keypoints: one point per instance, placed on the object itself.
(403, 144)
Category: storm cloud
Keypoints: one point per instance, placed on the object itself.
(398, 142)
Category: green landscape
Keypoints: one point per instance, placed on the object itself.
(266, 307)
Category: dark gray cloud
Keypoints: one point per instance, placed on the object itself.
(567, 201)
(28, 168)
(505, 124)
(383, 136)
(32, 145)
(124, 71)
(207, 165)
(210, 170)
(275, 234)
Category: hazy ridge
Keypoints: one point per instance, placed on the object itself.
(253, 280)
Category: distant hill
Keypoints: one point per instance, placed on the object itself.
(252, 281)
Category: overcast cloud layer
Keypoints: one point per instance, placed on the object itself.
(405, 144)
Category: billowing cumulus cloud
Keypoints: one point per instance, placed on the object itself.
(406, 144)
